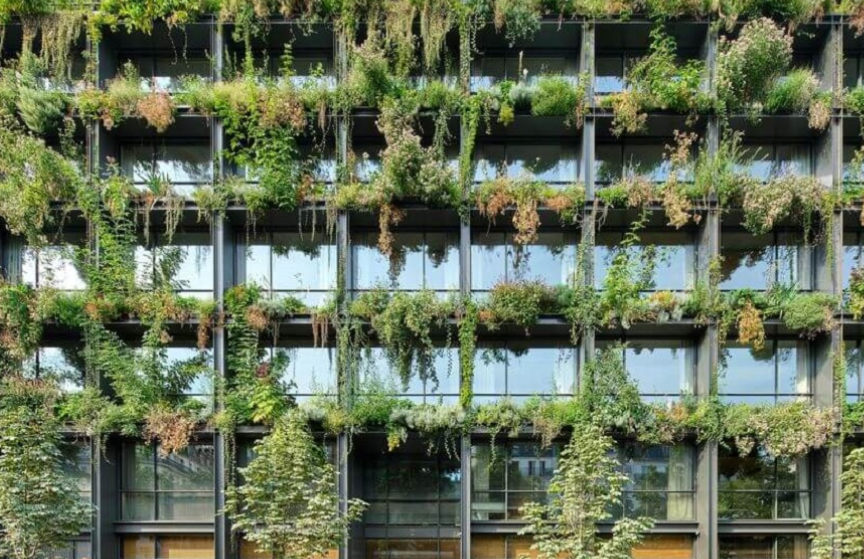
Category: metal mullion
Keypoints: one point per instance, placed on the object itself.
(155, 482)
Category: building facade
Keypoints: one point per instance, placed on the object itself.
(711, 499)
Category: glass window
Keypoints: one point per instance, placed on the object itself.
(419, 261)
(53, 266)
(411, 490)
(308, 370)
(293, 264)
(430, 378)
(661, 369)
(65, 364)
(77, 549)
(852, 71)
(853, 248)
(502, 484)
(413, 548)
(853, 166)
(497, 258)
(486, 71)
(551, 163)
(767, 161)
(764, 547)
(760, 261)
(520, 371)
(674, 263)
(612, 161)
(77, 465)
(609, 73)
(163, 72)
(173, 487)
(661, 481)
(503, 546)
(757, 486)
(186, 265)
(184, 166)
(778, 373)
(854, 371)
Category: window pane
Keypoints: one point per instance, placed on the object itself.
(529, 467)
(302, 263)
(541, 370)
(551, 259)
(186, 506)
(659, 367)
(139, 468)
(191, 469)
(488, 260)
(609, 74)
(311, 369)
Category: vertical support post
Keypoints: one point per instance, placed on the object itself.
(221, 275)
(346, 381)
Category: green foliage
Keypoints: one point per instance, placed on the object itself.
(404, 324)
(520, 303)
(467, 345)
(748, 66)
(793, 92)
(556, 96)
(32, 176)
(139, 15)
(855, 292)
(609, 396)
(288, 504)
(789, 429)
(39, 504)
(586, 485)
(659, 81)
(42, 110)
(525, 197)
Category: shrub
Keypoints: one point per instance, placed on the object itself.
(748, 66)
(793, 92)
(555, 96)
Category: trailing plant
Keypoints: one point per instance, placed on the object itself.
(788, 429)
(404, 324)
(408, 170)
(255, 392)
(20, 325)
(441, 425)
(502, 417)
(467, 321)
(525, 197)
(629, 273)
(32, 177)
(587, 483)
(288, 504)
(855, 293)
(609, 396)
(134, 15)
